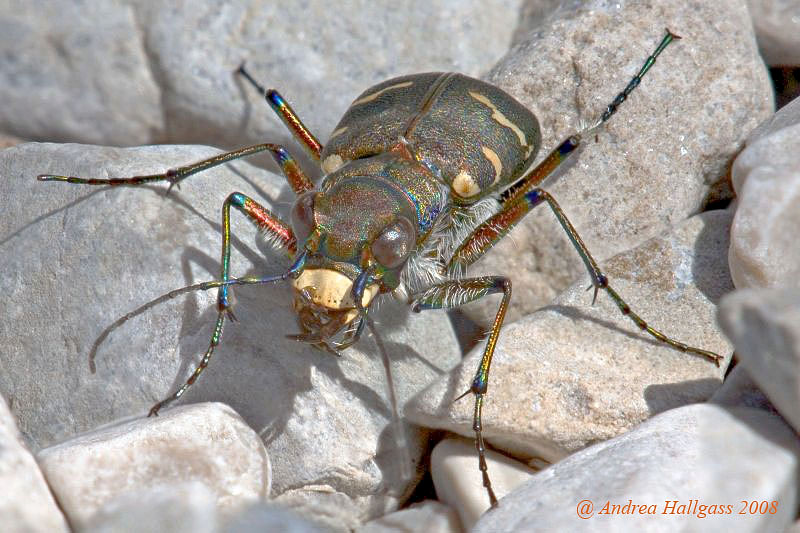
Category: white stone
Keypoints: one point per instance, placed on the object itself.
(764, 325)
(129, 73)
(429, 516)
(26, 505)
(698, 455)
(208, 443)
(575, 373)
(766, 177)
(78, 258)
(267, 517)
(189, 507)
(654, 163)
(777, 26)
(459, 483)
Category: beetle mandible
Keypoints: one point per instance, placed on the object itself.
(422, 175)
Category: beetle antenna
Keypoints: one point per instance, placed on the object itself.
(637, 79)
(204, 286)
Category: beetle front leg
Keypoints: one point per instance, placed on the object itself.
(453, 294)
(294, 174)
(281, 235)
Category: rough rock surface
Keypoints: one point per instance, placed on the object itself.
(764, 325)
(129, 73)
(269, 517)
(698, 455)
(655, 160)
(766, 177)
(78, 258)
(572, 374)
(27, 505)
(207, 443)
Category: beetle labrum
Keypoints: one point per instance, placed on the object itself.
(422, 175)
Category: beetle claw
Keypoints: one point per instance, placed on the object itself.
(468, 391)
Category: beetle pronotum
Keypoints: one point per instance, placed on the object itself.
(423, 174)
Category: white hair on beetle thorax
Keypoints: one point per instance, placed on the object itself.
(427, 265)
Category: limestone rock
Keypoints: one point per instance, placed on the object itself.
(764, 325)
(739, 390)
(206, 443)
(429, 516)
(766, 177)
(130, 73)
(458, 482)
(27, 505)
(187, 507)
(690, 467)
(777, 26)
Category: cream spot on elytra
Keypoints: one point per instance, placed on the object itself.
(465, 185)
(338, 132)
(503, 120)
(493, 158)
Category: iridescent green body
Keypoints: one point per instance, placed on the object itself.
(362, 197)
(423, 174)
(467, 133)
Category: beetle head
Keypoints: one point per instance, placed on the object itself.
(357, 235)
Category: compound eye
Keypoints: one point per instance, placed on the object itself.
(303, 217)
(395, 243)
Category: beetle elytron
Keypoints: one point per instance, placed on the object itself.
(423, 174)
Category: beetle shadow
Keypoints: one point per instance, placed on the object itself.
(576, 314)
(44, 216)
(256, 369)
(711, 274)
(665, 396)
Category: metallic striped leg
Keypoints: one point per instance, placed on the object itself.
(491, 231)
(294, 174)
(287, 115)
(281, 234)
(453, 294)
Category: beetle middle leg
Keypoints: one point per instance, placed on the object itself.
(516, 207)
(455, 293)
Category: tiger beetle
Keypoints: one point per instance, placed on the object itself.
(422, 176)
